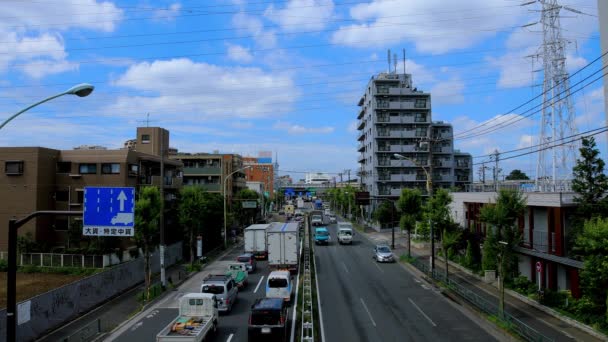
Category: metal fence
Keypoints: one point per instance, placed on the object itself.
(61, 260)
(525, 331)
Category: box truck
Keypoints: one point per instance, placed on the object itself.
(197, 319)
(283, 246)
(255, 240)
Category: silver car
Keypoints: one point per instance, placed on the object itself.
(383, 253)
(224, 289)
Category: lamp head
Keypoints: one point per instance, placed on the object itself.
(81, 90)
(398, 156)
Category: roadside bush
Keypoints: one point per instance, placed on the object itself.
(3, 265)
(522, 285)
(196, 267)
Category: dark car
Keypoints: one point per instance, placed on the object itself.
(249, 260)
(267, 320)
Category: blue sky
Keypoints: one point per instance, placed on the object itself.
(282, 76)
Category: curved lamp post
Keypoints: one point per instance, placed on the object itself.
(225, 181)
(80, 90)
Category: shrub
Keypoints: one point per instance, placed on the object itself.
(3, 265)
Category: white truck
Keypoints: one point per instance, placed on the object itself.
(198, 317)
(345, 233)
(255, 240)
(283, 246)
(300, 203)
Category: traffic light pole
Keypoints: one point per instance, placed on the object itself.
(11, 274)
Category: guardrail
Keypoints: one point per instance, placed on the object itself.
(525, 331)
(308, 330)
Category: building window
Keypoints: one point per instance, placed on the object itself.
(110, 168)
(13, 167)
(145, 138)
(133, 169)
(420, 117)
(62, 196)
(420, 103)
(420, 132)
(87, 169)
(64, 167)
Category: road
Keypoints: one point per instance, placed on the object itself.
(365, 301)
(232, 327)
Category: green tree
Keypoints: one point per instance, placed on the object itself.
(589, 181)
(190, 214)
(437, 210)
(147, 214)
(410, 205)
(469, 259)
(593, 244)
(245, 215)
(385, 213)
(449, 239)
(489, 257)
(517, 174)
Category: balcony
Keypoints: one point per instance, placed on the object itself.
(361, 147)
(442, 149)
(400, 163)
(541, 241)
(401, 119)
(361, 112)
(361, 125)
(400, 149)
(361, 101)
(361, 136)
(202, 171)
(170, 182)
(462, 165)
(361, 158)
(462, 179)
(399, 134)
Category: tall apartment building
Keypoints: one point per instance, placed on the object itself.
(209, 170)
(38, 178)
(395, 118)
(260, 170)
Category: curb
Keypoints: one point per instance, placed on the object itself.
(582, 326)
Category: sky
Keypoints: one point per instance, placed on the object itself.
(285, 76)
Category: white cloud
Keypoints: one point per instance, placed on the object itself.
(526, 141)
(352, 126)
(242, 124)
(299, 129)
(169, 13)
(174, 88)
(239, 53)
(515, 70)
(434, 26)
(248, 24)
(298, 15)
(448, 92)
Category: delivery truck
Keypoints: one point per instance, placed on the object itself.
(283, 246)
(255, 240)
(198, 317)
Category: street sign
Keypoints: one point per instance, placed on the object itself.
(199, 246)
(539, 266)
(108, 211)
(249, 204)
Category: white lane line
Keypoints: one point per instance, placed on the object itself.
(230, 338)
(422, 312)
(259, 283)
(381, 270)
(368, 313)
(346, 269)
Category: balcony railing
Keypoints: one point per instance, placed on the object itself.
(541, 241)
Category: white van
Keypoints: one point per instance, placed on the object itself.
(279, 285)
(345, 233)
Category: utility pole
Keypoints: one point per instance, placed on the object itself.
(496, 170)
(162, 209)
(429, 184)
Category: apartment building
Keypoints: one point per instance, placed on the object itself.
(545, 228)
(260, 170)
(38, 178)
(395, 118)
(209, 170)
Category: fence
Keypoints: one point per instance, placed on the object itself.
(52, 309)
(525, 331)
(61, 260)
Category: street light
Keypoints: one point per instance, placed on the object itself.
(429, 190)
(80, 90)
(226, 180)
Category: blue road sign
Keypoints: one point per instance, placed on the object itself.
(108, 211)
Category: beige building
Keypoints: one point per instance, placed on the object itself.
(38, 178)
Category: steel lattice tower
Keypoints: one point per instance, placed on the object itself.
(554, 164)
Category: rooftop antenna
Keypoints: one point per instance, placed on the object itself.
(403, 61)
(388, 57)
(147, 121)
(395, 63)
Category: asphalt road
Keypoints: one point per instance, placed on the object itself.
(362, 300)
(232, 327)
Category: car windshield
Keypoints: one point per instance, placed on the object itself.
(213, 289)
(384, 249)
(243, 259)
(346, 232)
(277, 282)
(323, 232)
(316, 217)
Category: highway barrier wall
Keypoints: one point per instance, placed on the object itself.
(55, 308)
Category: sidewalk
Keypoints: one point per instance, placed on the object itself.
(543, 322)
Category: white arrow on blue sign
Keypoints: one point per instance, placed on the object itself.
(108, 211)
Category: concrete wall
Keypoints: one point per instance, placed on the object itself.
(524, 266)
(57, 307)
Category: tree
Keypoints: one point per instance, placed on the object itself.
(593, 244)
(189, 213)
(245, 215)
(517, 175)
(385, 212)
(147, 214)
(449, 239)
(410, 205)
(589, 182)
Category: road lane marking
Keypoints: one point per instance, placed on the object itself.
(346, 269)
(230, 338)
(422, 312)
(137, 325)
(368, 313)
(259, 283)
(381, 270)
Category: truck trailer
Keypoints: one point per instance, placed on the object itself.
(283, 246)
